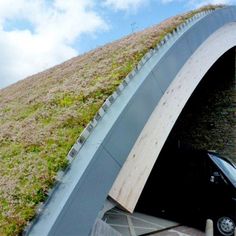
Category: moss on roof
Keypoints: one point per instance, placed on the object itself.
(42, 116)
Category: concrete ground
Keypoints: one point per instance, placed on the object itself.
(179, 231)
(138, 224)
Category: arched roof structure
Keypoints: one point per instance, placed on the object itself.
(120, 151)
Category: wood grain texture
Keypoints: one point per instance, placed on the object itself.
(129, 184)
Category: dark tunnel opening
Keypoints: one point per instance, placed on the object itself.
(207, 122)
(208, 118)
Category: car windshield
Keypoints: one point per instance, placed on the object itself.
(227, 167)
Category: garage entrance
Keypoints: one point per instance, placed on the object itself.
(206, 123)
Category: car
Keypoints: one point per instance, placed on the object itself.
(191, 186)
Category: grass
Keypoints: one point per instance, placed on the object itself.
(43, 115)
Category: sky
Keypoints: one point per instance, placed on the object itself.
(38, 34)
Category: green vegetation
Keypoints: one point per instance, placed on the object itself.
(42, 116)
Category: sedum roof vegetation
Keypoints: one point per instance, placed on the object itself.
(42, 116)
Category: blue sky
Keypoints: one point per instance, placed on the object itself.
(38, 34)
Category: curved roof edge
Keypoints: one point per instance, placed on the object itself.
(132, 178)
(75, 202)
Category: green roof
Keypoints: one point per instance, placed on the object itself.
(43, 115)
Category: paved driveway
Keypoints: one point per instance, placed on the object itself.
(179, 231)
(138, 224)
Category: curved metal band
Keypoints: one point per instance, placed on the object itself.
(76, 201)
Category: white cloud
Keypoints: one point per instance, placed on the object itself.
(125, 5)
(54, 28)
(198, 3)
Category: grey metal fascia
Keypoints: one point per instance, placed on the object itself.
(78, 188)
